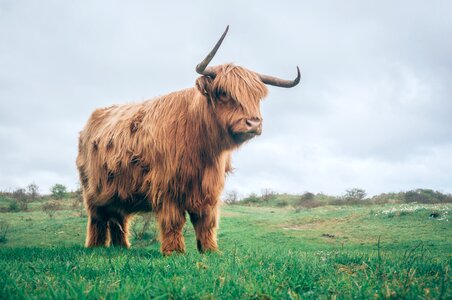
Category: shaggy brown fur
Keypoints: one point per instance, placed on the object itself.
(168, 155)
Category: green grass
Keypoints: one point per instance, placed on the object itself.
(392, 251)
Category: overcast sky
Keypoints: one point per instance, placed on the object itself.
(373, 110)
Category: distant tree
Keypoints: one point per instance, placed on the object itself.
(307, 197)
(268, 194)
(20, 196)
(33, 191)
(252, 198)
(426, 196)
(59, 191)
(388, 198)
(231, 197)
(307, 200)
(355, 195)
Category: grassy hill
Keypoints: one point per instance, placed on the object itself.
(377, 251)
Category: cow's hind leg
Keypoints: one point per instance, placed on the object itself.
(171, 219)
(205, 224)
(119, 230)
(97, 231)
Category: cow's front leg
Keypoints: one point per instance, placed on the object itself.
(205, 224)
(97, 229)
(171, 220)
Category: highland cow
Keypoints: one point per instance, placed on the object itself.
(169, 155)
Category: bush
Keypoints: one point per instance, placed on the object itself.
(32, 191)
(426, 196)
(307, 200)
(351, 197)
(77, 202)
(13, 206)
(282, 203)
(231, 197)
(50, 208)
(21, 198)
(268, 194)
(252, 198)
(58, 191)
(141, 225)
(388, 198)
(354, 196)
(336, 201)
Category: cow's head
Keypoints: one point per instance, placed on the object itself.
(235, 94)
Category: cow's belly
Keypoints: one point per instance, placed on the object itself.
(135, 203)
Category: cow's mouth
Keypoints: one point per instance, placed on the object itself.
(241, 137)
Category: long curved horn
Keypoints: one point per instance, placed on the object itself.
(202, 68)
(281, 82)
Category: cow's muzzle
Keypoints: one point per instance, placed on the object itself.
(254, 126)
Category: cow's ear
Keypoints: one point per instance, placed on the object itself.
(204, 85)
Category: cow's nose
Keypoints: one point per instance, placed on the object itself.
(254, 125)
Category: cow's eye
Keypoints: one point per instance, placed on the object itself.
(221, 94)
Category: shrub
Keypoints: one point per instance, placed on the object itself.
(307, 197)
(13, 206)
(354, 196)
(51, 207)
(58, 191)
(388, 198)
(77, 202)
(252, 198)
(268, 194)
(336, 201)
(282, 203)
(426, 196)
(141, 225)
(21, 198)
(32, 191)
(307, 200)
(231, 197)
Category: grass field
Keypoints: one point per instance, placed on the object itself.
(391, 251)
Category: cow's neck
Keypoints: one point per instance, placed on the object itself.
(210, 139)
